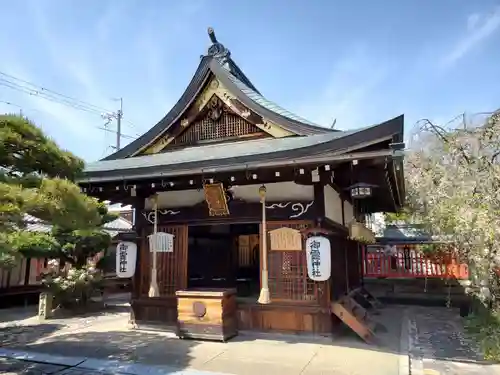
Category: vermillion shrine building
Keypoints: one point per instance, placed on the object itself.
(241, 184)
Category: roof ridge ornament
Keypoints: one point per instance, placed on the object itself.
(217, 49)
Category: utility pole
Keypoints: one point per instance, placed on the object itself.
(118, 117)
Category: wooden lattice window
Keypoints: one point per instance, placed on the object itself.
(215, 127)
(288, 279)
(171, 267)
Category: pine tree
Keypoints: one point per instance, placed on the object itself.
(37, 178)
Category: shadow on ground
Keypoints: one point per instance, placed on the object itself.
(150, 348)
(24, 334)
(106, 337)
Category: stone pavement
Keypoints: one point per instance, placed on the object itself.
(108, 337)
(18, 362)
(438, 344)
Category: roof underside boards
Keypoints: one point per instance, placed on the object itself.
(242, 152)
(236, 82)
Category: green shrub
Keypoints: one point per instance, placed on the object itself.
(74, 287)
(485, 327)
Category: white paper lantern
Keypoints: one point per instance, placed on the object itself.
(319, 263)
(126, 256)
(161, 242)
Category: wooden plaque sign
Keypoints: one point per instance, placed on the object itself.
(216, 199)
(285, 239)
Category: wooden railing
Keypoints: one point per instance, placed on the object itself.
(25, 272)
(412, 264)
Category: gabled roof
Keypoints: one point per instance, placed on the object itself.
(218, 62)
(34, 224)
(409, 233)
(241, 154)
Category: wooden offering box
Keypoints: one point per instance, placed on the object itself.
(207, 314)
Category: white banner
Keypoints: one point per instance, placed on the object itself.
(319, 263)
(126, 256)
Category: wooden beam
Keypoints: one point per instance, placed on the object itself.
(239, 211)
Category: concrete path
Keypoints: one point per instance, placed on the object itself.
(107, 337)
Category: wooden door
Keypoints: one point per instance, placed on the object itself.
(171, 267)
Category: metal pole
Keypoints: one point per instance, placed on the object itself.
(264, 297)
(153, 287)
(119, 125)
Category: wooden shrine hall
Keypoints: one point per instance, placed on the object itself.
(241, 189)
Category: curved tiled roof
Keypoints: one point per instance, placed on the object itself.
(242, 152)
(225, 69)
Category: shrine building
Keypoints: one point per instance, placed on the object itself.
(240, 184)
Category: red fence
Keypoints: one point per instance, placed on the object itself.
(410, 264)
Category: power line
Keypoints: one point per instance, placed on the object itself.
(32, 109)
(40, 89)
(48, 96)
(34, 89)
(30, 88)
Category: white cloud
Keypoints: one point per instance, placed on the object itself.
(350, 86)
(479, 27)
(473, 21)
(72, 56)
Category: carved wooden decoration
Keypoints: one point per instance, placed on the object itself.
(285, 239)
(216, 122)
(216, 199)
(216, 109)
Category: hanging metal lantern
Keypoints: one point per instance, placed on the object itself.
(361, 190)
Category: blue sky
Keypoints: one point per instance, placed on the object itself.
(360, 62)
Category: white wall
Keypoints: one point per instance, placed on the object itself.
(348, 212)
(333, 204)
(275, 192)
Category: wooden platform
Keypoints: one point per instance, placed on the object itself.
(207, 314)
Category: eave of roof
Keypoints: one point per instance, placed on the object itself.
(255, 101)
(242, 153)
(184, 101)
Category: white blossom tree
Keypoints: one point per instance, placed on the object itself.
(453, 183)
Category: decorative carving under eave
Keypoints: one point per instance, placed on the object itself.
(216, 198)
(158, 144)
(216, 108)
(297, 207)
(150, 216)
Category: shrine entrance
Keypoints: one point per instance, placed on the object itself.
(224, 256)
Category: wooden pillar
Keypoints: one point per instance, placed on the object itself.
(319, 201)
(139, 229)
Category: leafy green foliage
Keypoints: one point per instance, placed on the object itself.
(486, 329)
(36, 179)
(25, 151)
(403, 216)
